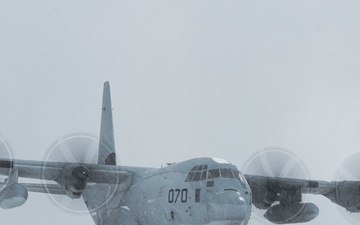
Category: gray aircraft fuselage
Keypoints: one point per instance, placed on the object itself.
(197, 191)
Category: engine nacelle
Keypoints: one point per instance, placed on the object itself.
(12, 196)
(73, 179)
(347, 195)
(292, 213)
(262, 196)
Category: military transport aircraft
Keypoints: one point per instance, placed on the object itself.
(197, 191)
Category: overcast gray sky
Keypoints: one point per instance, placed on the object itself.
(188, 79)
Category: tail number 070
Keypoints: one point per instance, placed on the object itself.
(177, 195)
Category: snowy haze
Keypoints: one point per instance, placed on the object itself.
(188, 79)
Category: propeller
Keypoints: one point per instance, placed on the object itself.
(75, 148)
(274, 162)
(5, 162)
(350, 171)
(79, 149)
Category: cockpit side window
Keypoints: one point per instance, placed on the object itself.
(226, 173)
(236, 174)
(190, 176)
(239, 176)
(197, 173)
(242, 179)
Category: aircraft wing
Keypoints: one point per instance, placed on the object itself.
(282, 197)
(71, 178)
(53, 170)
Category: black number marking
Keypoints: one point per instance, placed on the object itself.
(174, 195)
(171, 196)
(177, 194)
(184, 195)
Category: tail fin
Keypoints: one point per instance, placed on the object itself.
(107, 155)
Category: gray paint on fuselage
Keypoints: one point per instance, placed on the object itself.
(161, 196)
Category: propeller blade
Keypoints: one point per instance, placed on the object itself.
(5, 163)
(76, 148)
(350, 171)
(274, 162)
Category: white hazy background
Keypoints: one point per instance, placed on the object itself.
(188, 78)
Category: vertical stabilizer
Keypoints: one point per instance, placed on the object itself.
(107, 154)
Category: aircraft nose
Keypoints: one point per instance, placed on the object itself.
(229, 207)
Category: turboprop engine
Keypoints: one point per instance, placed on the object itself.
(73, 179)
(346, 195)
(290, 209)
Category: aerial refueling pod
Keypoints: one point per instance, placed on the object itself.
(292, 213)
(12, 196)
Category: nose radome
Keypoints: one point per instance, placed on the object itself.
(228, 206)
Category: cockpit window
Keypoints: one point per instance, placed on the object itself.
(194, 168)
(199, 167)
(189, 177)
(203, 175)
(201, 172)
(239, 176)
(197, 176)
(214, 173)
(197, 173)
(226, 173)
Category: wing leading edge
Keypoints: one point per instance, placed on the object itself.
(52, 170)
(65, 174)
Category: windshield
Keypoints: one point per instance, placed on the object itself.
(201, 172)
